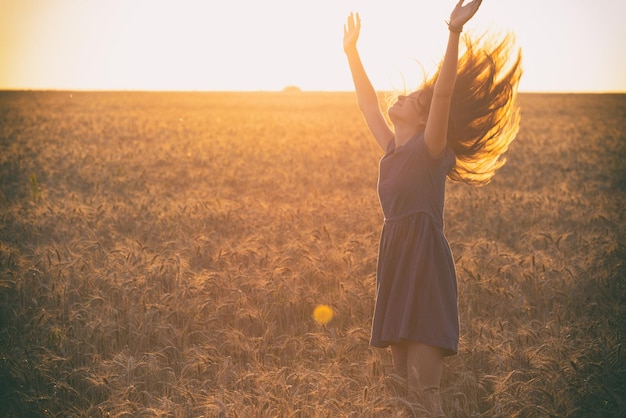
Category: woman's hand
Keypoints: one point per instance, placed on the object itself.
(461, 14)
(351, 32)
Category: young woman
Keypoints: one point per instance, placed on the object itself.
(457, 125)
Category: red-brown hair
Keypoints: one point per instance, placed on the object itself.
(484, 117)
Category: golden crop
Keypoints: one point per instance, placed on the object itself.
(162, 254)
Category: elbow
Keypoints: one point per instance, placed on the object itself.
(368, 106)
(444, 87)
(367, 99)
(445, 94)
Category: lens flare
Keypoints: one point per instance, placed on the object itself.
(323, 314)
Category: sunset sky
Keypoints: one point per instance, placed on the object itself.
(568, 45)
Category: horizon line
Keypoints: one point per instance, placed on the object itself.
(286, 90)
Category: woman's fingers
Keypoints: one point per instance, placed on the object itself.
(353, 25)
(354, 21)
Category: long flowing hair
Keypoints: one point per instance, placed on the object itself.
(484, 116)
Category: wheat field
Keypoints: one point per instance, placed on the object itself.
(161, 255)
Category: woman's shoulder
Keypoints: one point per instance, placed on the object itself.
(446, 159)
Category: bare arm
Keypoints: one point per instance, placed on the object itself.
(436, 132)
(366, 95)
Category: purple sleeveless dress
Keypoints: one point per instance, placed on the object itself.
(416, 288)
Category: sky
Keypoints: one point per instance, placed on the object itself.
(238, 45)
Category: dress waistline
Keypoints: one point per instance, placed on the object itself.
(393, 219)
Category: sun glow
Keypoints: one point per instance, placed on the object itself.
(250, 45)
(323, 314)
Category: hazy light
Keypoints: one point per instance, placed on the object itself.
(251, 45)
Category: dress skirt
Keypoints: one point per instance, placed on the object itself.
(416, 289)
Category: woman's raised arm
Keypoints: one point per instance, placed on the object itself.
(366, 95)
(436, 132)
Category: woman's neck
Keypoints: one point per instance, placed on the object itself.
(404, 133)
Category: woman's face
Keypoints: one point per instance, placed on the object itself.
(408, 109)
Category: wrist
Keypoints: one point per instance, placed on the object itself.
(454, 28)
(349, 50)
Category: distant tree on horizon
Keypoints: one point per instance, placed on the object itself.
(292, 89)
